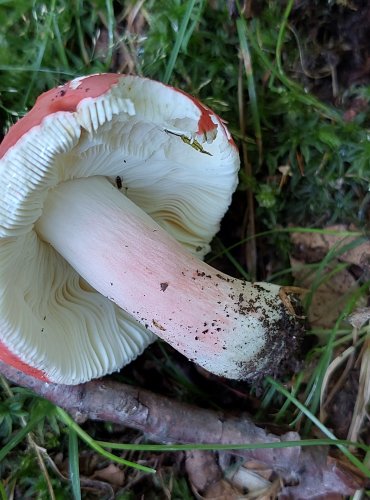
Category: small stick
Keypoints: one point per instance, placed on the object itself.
(169, 421)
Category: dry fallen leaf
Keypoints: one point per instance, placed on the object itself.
(359, 317)
(312, 247)
(112, 474)
(360, 411)
(337, 282)
(330, 297)
(223, 490)
(202, 469)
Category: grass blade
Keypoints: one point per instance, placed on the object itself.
(20, 435)
(355, 461)
(74, 469)
(71, 424)
(238, 446)
(179, 40)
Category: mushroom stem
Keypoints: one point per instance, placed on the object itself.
(230, 327)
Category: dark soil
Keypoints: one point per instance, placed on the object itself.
(334, 46)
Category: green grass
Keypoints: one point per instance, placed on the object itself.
(244, 70)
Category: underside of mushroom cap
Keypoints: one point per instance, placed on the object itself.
(173, 157)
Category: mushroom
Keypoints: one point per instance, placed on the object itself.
(111, 189)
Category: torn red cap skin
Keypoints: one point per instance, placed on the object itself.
(67, 97)
(206, 123)
(63, 98)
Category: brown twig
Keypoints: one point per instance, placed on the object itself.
(168, 421)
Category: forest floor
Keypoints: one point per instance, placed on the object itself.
(292, 81)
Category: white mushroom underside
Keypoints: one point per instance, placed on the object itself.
(48, 318)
